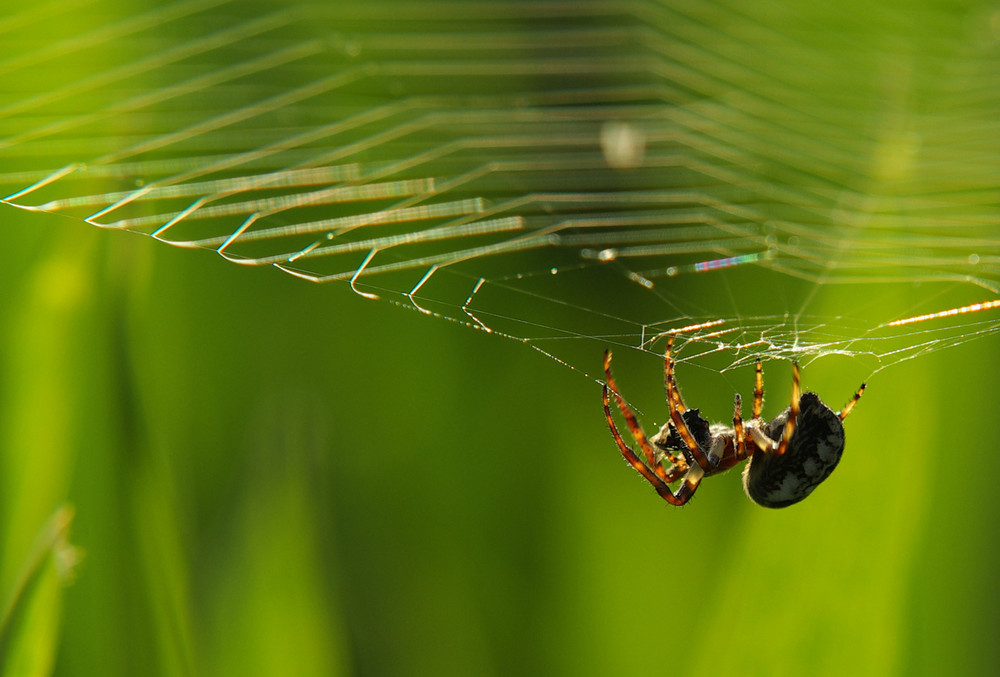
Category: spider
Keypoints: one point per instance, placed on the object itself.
(789, 455)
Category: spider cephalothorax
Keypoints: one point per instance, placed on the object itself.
(789, 455)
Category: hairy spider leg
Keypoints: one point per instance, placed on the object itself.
(668, 372)
(854, 400)
(673, 399)
(758, 390)
(683, 493)
(633, 424)
(675, 472)
(691, 479)
(793, 414)
(741, 448)
(659, 483)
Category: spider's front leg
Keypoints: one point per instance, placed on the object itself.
(668, 375)
(708, 460)
(654, 472)
(633, 423)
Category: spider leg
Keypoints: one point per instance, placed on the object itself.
(761, 441)
(758, 390)
(692, 478)
(673, 400)
(633, 425)
(668, 373)
(741, 448)
(793, 414)
(854, 400)
(676, 471)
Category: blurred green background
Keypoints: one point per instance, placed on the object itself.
(272, 477)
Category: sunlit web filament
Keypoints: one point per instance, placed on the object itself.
(727, 262)
(974, 308)
(689, 329)
(713, 264)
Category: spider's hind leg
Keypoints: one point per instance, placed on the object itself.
(854, 400)
(738, 431)
(793, 413)
(758, 389)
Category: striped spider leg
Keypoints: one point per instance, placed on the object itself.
(652, 468)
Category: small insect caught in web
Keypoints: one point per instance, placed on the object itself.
(789, 456)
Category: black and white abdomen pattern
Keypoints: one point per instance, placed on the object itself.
(812, 454)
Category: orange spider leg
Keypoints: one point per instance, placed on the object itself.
(633, 424)
(793, 414)
(758, 390)
(673, 399)
(741, 448)
(668, 373)
(692, 477)
(675, 460)
(854, 400)
(678, 466)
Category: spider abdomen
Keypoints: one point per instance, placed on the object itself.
(813, 452)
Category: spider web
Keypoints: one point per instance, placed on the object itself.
(787, 180)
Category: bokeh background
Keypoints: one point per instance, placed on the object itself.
(271, 477)
(208, 469)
